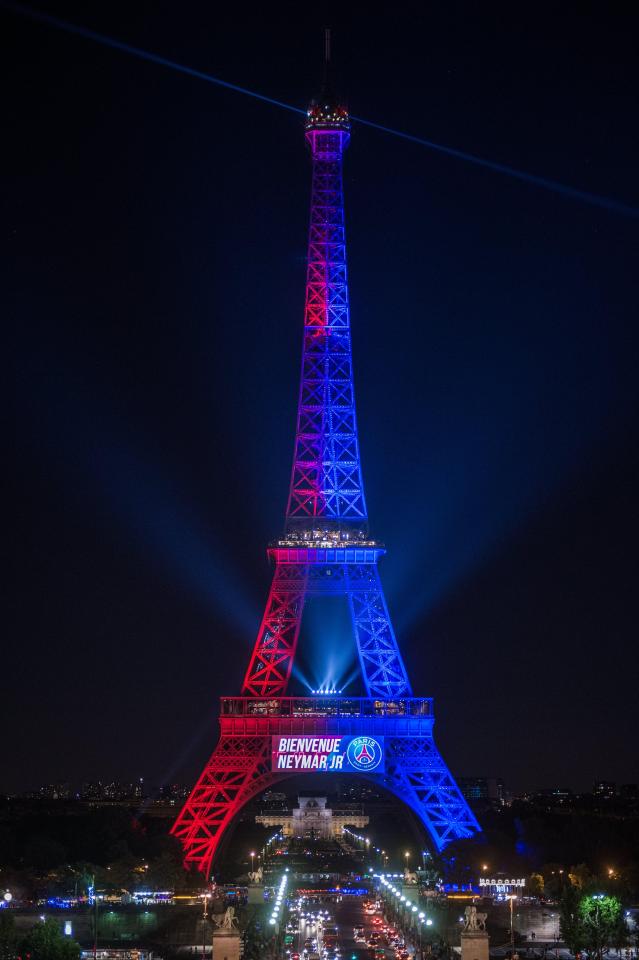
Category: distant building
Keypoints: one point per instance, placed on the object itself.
(554, 798)
(488, 789)
(54, 791)
(113, 791)
(172, 792)
(274, 800)
(358, 791)
(605, 789)
(91, 790)
(312, 818)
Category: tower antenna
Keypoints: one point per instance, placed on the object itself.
(327, 60)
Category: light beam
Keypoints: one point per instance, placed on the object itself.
(572, 193)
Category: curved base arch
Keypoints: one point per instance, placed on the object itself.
(240, 768)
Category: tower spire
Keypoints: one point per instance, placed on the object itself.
(327, 60)
(326, 491)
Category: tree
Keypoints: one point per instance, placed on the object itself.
(570, 925)
(43, 853)
(594, 923)
(257, 938)
(45, 941)
(553, 874)
(581, 876)
(603, 924)
(8, 936)
(536, 885)
(166, 872)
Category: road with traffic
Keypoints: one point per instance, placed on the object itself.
(346, 928)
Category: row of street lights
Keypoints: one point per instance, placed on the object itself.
(416, 917)
(279, 896)
(382, 853)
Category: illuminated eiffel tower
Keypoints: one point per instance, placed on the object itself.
(326, 550)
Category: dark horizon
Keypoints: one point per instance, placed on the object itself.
(157, 239)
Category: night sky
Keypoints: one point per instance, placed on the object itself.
(154, 242)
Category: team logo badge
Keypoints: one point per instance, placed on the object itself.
(364, 753)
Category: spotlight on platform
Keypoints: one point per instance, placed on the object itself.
(327, 689)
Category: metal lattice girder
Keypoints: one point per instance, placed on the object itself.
(272, 661)
(326, 481)
(381, 663)
(380, 660)
(417, 774)
(238, 769)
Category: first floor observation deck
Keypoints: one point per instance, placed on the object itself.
(404, 716)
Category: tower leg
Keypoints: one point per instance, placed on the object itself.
(238, 769)
(272, 661)
(380, 660)
(417, 774)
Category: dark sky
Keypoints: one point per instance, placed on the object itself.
(154, 242)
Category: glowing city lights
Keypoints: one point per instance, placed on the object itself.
(279, 896)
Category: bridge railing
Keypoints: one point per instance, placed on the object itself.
(326, 707)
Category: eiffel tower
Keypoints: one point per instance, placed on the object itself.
(326, 550)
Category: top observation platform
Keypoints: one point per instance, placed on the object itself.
(327, 127)
(327, 113)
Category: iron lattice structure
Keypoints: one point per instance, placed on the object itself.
(326, 550)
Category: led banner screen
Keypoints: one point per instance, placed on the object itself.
(328, 754)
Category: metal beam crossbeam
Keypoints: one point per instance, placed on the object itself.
(326, 481)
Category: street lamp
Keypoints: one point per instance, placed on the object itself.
(205, 903)
(252, 856)
(513, 896)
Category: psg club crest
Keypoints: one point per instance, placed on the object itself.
(364, 753)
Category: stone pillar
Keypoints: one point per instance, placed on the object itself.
(226, 945)
(256, 894)
(474, 945)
